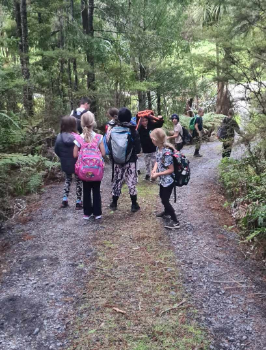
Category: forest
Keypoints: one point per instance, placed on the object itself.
(143, 54)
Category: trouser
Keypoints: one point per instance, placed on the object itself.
(68, 180)
(92, 204)
(198, 141)
(150, 159)
(126, 172)
(179, 146)
(227, 149)
(165, 194)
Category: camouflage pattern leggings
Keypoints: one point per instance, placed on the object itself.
(127, 173)
(68, 181)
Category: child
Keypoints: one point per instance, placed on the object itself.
(125, 171)
(164, 168)
(148, 147)
(64, 146)
(112, 115)
(178, 132)
(95, 142)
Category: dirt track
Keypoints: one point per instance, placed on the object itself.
(45, 266)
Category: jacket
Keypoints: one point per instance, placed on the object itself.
(64, 146)
(145, 140)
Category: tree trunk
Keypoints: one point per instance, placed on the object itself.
(159, 107)
(149, 100)
(223, 103)
(22, 33)
(141, 94)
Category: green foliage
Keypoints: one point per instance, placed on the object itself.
(21, 175)
(247, 191)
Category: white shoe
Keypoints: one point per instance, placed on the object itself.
(98, 217)
(87, 217)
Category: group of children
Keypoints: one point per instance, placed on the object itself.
(148, 136)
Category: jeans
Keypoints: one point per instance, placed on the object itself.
(165, 194)
(92, 205)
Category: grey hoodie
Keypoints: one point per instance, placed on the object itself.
(64, 146)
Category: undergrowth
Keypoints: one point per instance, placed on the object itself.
(245, 188)
(134, 298)
(21, 175)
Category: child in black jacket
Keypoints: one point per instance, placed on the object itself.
(64, 146)
(148, 148)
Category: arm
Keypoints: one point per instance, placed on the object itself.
(174, 136)
(168, 171)
(102, 149)
(137, 142)
(56, 148)
(156, 124)
(75, 151)
(154, 170)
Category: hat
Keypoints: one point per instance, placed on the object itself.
(174, 116)
(124, 115)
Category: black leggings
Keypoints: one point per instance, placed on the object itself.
(227, 149)
(92, 207)
(165, 194)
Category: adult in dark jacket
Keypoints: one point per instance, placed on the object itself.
(230, 126)
(64, 146)
(148, 148)
(126, 172)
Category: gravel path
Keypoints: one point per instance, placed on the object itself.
(227, 289)
(45, 261)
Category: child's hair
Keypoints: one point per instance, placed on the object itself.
(159, 136)
(68, 124)
(231, 112)
(113, 112)
(88, 123)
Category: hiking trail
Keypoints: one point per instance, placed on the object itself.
(50, 255)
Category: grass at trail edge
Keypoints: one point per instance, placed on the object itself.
(134, 282)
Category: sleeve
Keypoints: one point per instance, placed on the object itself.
(137, 142)
(157, 124)
(100, 139)
(77, 143)
(56, 147)
(168, 160)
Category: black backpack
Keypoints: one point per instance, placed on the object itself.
(181, 174)
(222, 132)
(78, 119)
(186, 137)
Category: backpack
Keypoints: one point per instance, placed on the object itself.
(222, 131)
(120, 145)
(181, 174)
(186, 137)
(78, 119)
(90, 164)
(192, 123)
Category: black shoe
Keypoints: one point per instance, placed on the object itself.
(135, 207)
(172, 225)
(139, 172)
(79, 206)
(161, 215)
(64, 204)
(113, 205)
(147, 177)
(197, 155)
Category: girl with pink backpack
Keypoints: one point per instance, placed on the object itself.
(89, 149)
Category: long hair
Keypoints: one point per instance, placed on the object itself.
(68, 124)
(159, 136)
(113, 112)
(88, 123)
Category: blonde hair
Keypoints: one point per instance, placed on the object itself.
(88, 123)
(159, 136)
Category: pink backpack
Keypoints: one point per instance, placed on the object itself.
(90, 164)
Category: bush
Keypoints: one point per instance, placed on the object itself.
(246, 190)
(21, 175)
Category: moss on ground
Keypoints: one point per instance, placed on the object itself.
(132, 296)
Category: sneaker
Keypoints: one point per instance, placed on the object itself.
(161, 215)
(172, 225)
(135, 207)
(79, 206)
(87, 217)
(147, 177)
(198, 155)
(113, 205)
(64, 204)
(139, 172)
(98, 217)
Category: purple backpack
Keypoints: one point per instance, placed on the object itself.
(90, 164)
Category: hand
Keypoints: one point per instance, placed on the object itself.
(160, 116)
(154, 176)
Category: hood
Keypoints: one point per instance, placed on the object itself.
(67, 138)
